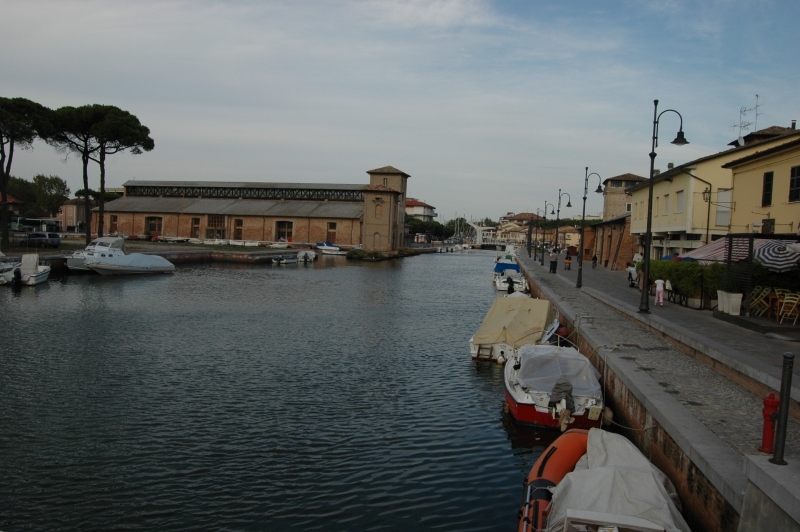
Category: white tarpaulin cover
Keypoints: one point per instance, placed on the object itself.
(541, 366)
(613, 477)
(515, 321)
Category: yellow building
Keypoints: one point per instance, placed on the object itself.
(683, 219)
(766, 190)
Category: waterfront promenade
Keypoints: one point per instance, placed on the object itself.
(683, 365)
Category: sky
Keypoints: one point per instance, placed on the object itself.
(490, 106)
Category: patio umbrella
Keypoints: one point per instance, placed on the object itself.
(687, 259)
(776, 256)
(669, 257)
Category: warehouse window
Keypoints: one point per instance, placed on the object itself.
(152, 225)
(215, 226)
(283, 231)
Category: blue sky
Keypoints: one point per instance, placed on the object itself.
(490, 106)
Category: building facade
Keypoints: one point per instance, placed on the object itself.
(766, 190)
(682, 217)
(371, 215)
(420, 210)
(615, 200)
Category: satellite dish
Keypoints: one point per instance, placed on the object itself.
(740, 141)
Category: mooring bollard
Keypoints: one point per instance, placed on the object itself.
(770, 414)
(783, 412)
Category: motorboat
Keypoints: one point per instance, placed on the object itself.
(510, 323)
(504, 269)
(518, 281)
(29, 272)
(306, 255)
(135, 263)
(611, 486)
(334, 252)
(553, 386)
(327, 246)
(288, 259)
(278, 245)
(110, 246)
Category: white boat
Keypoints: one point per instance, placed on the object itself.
(28, 272)
(336, 251)
(278, 245)
(553, 386)
(104, 246)
(615, 486)
(519, 282)
(288, 259)
(504, 269)
(510, 323)
(135, 263)
(306, 255)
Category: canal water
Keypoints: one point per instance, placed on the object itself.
(333, 396)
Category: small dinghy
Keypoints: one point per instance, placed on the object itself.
(28, 272)
(306, 255)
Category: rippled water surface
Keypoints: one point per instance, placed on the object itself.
(336, 396)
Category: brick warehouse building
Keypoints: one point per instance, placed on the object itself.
(371, 215)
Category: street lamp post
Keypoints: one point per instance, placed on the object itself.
(536, 238)
(558, 212)
(583, 220)
(546, 203)
(680, 140)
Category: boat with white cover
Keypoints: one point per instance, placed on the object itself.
(613, 487)
(306, 255)
(135, 263)
(552, 386)
(510, 323)
(29, 271)
(103, 246)
(504, 269)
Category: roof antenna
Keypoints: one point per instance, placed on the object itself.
(757, 113)
(742, 125)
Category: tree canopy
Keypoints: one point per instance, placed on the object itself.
(42, 197)
(21, 122)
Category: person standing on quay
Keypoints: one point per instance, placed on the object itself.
(553, 261)
(567, 262)
(659, 292)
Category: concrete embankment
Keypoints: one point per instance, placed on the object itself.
(694, 421)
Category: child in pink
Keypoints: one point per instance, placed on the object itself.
(659, 292)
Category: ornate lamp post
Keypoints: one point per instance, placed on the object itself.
(680, 140)
(546, 203)
(558, 212)
(583, 220)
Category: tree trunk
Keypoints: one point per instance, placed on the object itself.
(87, 203)
(5, 177)
(101, 200)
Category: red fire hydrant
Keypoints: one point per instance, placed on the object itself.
(770, 413)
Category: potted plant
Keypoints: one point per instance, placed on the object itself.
(732, 293)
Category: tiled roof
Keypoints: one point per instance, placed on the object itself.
(412, 202)
(625, 177)
(391, 170)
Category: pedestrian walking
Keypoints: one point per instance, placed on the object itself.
(553, 262)
(567, 262)
(659, 292)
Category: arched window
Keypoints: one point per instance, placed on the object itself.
(378, 210)
(386, 181)
(376, 241)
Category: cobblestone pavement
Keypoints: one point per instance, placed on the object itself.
(731, 412)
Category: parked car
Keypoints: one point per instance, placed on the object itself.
(41, 240)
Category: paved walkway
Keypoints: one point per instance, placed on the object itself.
(731, 412)
(749, 352)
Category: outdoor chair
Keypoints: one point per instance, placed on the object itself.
(759, 300)
(789, 308)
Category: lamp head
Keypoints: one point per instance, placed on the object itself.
(599, 189)
(569, 204)
(706, 194)
(552, 211)
(680, 140)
